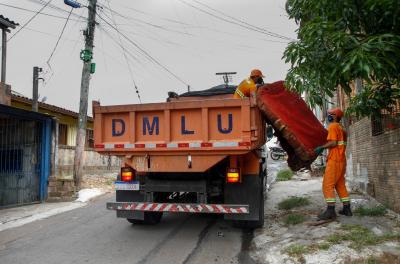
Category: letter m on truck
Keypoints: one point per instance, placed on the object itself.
(193, 154)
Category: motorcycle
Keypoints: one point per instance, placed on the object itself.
(277, 153)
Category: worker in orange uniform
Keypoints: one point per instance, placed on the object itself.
(335, 167)
(248, 87)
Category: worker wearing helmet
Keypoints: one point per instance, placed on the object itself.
(248, 87)
(335, 167)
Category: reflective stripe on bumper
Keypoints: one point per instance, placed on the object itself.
(179, 208)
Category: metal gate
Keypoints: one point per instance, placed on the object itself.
(24, 156)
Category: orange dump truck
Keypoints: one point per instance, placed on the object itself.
(193, 154)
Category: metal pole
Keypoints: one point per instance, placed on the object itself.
(86, 56)
(35, 93)
(3, 55)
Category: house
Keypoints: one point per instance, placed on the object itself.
(65, 123)
(67, 120)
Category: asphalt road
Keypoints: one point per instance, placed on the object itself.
(93, 234)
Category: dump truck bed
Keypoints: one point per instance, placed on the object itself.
(200, 126)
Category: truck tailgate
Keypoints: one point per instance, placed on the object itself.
(214, 126)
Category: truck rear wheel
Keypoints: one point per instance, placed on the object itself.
(150, 218)
(252, 224)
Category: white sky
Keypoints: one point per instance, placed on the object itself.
(193, 45)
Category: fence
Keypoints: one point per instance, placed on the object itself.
(387, 120)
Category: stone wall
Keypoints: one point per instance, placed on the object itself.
(93, 163)
(373, 163)
(61, 185)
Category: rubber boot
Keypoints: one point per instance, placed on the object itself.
(346, 210)
(328, 214)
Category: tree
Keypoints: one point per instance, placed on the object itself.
(340, 41)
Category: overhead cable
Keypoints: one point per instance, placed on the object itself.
(27, 22)
(144, 51)
(125, 56)
(242, 21)
(59, 38)
(234, 22)
(54, 7)
(42, 14)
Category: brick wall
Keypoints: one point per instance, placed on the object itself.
(373, 163)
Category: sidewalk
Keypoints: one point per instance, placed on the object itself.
(289, 237)
(18, 216)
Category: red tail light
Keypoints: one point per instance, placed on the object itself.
(233, 175)
(127, 174)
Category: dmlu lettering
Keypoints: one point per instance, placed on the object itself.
(152, 126)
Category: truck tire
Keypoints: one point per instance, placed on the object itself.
(150, 218)
(252, 224)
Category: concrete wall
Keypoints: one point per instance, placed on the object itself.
(93, 162)
(373, 163)
(5, 94)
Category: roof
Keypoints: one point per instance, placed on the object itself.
(7, 23)
(53, 108)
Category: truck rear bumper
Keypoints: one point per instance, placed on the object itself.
(179, 208)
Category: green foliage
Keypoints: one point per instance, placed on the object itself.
(374, 211)
(294, 219)
(296, 250)
(341, 41)
(293, 202)
(284, 175)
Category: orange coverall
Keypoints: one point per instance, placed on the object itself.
(245, 89)
(336, 166)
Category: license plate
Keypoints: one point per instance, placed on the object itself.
(127, 186)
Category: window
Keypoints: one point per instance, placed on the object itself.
(89, 138)
(62, 134)
(387, 120)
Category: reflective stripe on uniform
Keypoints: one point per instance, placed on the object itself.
(240, 93)
(345, 199)
(342, 143)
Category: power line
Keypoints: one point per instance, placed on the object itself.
(241, 21)
(33, 17)
(59, 38)
(160, 27)
(136, 59)
(126, 58)
(144, 51)
(149, 14)
(54, 7)
(234, 22)
(42, 14)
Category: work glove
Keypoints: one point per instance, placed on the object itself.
(318, 150)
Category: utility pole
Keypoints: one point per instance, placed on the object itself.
(35, 95)
(87, 70)
(4, 55)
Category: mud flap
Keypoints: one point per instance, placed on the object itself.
(249, 191)
(129, 196)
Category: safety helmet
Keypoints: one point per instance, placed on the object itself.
(256, 73)
(336, 111)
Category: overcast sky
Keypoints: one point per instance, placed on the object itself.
(191, 44)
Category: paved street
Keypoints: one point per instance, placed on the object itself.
(93, 234)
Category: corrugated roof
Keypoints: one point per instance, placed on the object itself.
(5, 22)
(23, 99)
